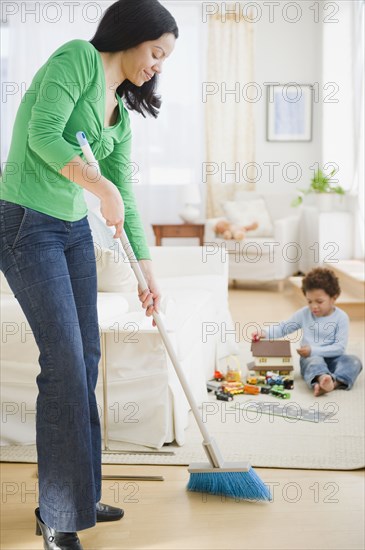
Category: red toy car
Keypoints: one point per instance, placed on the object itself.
(218, 376)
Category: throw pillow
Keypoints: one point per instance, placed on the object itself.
(113, 271)
(247, 212)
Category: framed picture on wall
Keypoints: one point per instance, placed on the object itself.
(289, 112)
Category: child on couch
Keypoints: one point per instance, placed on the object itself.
(323, 362)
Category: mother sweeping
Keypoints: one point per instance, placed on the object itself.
(47, 252)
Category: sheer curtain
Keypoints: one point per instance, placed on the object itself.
(230, 131)
(343, 108)
(358, 75)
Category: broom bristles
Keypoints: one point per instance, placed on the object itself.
(237, 485)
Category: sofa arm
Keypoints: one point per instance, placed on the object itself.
(286, 230)
(288, 253)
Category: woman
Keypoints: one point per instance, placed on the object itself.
(47, 248)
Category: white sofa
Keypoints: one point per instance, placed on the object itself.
(273, 257)
(145, 401)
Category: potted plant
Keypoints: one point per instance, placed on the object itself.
(323, 186)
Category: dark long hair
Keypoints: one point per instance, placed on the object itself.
(126, 24)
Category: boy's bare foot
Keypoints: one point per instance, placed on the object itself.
(324, 384)
(317, 390)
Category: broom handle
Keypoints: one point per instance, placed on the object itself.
(210, 447)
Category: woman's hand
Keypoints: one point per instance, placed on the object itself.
(112, 209)
(151, 297)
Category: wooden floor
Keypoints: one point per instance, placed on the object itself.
(310, 510)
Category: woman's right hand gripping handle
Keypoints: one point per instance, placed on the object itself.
(112, 209)
(89, 177)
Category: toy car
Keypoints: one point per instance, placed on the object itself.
(218, 376)
(224, 396)
(276, 391)
(256, 380)
(234, 388)
(213, 385)
(265, 389)
(288, 384)
(275, 380)
(251, 390)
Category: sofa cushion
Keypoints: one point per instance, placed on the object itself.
(278, 204)
(110, 305)
(19, 358)
(192, 292)
(5, 288)
(195, 303)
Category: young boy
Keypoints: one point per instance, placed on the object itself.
(323, 363)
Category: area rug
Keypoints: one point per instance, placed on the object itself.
(265, 440)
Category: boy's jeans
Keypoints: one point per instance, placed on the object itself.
(343, 368)
(50, 266)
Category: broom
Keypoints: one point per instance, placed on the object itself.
(232, 479)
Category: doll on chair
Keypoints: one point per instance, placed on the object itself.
(226, 230)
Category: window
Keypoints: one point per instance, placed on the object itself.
(263, 360)
(166, 151)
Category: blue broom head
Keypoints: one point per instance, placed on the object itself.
(237, 485)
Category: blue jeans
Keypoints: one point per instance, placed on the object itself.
(343, 369)
(50, 266)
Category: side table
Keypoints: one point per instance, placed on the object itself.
(180, 230)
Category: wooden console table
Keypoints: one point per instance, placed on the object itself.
(180, 230)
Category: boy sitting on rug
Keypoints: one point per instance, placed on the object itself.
(323, 363)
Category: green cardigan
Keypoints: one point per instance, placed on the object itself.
(67, 95)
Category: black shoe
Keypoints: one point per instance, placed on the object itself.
(56, 540)
(104, 512)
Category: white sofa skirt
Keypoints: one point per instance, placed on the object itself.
(146, 403)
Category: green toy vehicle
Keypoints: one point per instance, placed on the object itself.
(277, 391)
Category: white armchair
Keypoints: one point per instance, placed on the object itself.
(271, 258)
